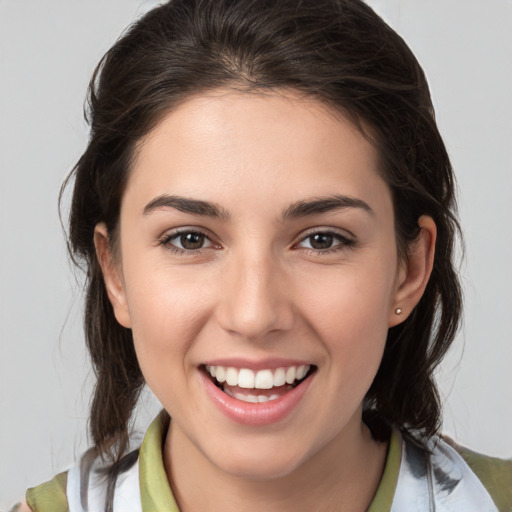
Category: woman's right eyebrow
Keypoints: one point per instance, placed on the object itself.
(187, 205)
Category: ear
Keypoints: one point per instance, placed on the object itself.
(414, 272)
(112, 275)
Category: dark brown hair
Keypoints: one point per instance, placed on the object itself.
(337, 51)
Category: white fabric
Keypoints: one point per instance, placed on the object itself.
(439, 482)
(126, 496)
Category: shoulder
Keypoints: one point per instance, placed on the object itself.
(21, 507)
(494, 473)
(438, 475)
(47, 497)
(87, 485)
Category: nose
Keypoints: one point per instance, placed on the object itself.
(255, 300)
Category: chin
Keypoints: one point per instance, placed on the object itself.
(259, 468)
(259, 459)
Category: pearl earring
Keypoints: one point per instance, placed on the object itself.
(398, 311)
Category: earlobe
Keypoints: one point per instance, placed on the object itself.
(112, 275)
(415, 272)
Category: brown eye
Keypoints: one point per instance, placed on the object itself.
(324, 242)
(321, 241)
(191, 241)
(187, 242)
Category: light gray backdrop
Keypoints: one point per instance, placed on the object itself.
(48, 49)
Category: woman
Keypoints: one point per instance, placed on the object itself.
(266, 213)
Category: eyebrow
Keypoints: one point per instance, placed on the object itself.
(295, 210)
(323, 205)
(187, 205)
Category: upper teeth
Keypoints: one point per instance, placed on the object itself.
(262, 379)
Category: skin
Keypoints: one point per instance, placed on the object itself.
(257, 288)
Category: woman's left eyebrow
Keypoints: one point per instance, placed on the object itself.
(324, 204)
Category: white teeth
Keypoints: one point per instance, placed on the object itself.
(255, 399)
(301, 372)
(279, 377)
(263, 379)
(220, 374)
(231, 376)
(245, 398)
(246, 378)
(290, 375)
(251, 398)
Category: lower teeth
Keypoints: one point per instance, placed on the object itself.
(251, 398)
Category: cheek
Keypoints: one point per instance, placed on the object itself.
(167, 313)
(349, 312)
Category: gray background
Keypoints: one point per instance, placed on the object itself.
(48, 50)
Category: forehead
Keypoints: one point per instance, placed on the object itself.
(274, 146)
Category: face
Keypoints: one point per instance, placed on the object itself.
(257, 245)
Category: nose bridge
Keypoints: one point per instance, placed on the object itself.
(254, 300)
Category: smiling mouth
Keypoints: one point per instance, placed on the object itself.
(258, 386)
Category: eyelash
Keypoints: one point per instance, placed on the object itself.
(344, 242)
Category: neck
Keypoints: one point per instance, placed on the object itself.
(342, 476)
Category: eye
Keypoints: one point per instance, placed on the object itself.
(184, 241)
(325, 241)
(190, 241)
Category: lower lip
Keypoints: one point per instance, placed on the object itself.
(248, 413)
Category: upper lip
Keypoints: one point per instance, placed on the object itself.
(262, 364)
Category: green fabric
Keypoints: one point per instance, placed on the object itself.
(50, 496)
(495, 474)
(386, 491)
(155, 492)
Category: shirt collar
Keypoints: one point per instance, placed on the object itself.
(156, 494)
